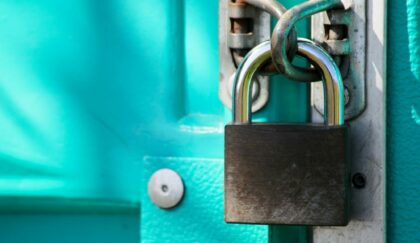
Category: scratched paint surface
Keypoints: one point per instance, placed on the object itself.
(403, 121)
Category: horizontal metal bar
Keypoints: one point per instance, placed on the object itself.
(241, 40)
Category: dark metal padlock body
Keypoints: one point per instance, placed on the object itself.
(286, 174)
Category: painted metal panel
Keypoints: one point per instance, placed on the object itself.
(91, 94)
(403, 121)
(199, 217)
(367, 144)
(69, 228)
(69, 86)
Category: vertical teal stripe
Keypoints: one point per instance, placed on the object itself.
(403, 123)
(288, 103)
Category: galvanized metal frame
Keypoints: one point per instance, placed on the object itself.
(351, 50)
(367, 135)
(261, 32)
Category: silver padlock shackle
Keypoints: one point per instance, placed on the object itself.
(261, 54)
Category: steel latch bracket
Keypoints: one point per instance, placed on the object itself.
(241, 27)
(342, 32)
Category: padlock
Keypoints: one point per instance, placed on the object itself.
(293, 174)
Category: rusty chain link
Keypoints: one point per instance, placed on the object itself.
(279, 40)
(284, 37)
(242, 26)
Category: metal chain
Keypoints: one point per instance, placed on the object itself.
(284, 37)
(279, 40)
(274, 8)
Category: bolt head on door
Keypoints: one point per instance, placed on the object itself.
(165, 188)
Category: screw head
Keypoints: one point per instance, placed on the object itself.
(359, 180)
(165, 188)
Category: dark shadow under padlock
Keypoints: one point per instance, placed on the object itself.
(287, 173)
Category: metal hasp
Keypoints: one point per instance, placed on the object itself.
(287, 173)
(342, 32)
(241, 27)
(367, 139)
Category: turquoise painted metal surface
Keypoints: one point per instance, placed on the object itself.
(199, 217)
(96, 97)
(65, 227)
(68, 93)
(403, 122)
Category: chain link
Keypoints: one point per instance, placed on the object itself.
(284, 36)
(242, 25)
(279, 40)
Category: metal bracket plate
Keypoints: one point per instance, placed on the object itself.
(367, 140)
(260, 31)
(350, 49)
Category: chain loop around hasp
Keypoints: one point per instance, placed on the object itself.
(276, 9)
(279, 41)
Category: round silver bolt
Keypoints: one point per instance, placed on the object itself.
(165, 188)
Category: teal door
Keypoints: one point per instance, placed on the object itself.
(97, 96)
(403, 121)
(94, 99)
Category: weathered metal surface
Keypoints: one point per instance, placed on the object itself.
(281, 37)
(367, 139)
(286, 174)
(342, 32)
(241, 27)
